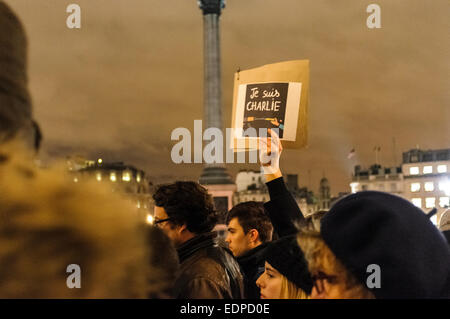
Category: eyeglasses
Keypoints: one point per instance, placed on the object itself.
(159, 221)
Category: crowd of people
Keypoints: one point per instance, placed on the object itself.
(370, 245)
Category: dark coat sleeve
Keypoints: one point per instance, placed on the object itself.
(201, 288)
(282, 208)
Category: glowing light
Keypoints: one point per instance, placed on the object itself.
(445, 187)
(430, 202)
(444, 202)
(75, 180)
(428, 169)
(99, 160)
(414, 170)
(126, 176)
(442, 168)
(99, 177)
(149, 219)
(417, 202)
(429, 186)
(113, 177)
(415, 187)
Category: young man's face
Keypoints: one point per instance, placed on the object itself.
(238, 242)
(270, 283)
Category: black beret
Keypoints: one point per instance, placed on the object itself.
(287, 258)
(383, 229)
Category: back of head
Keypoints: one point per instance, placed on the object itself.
(252, 215)
(187, 203)
(48, 222)
(15, 102)
(375, 228)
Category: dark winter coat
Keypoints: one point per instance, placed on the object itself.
(283, 209)
(252, 266)
(207, 271)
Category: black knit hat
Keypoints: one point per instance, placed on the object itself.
(15, 102)
(383, 229)
(287, 258)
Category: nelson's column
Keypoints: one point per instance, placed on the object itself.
(214, 176)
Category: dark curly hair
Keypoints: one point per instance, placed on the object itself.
(187, 203)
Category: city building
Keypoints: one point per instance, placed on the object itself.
(324, 198)
(250, 186)
(423, 178)
(119, 176)
(377, 178)
(249, 178)
(427, 179)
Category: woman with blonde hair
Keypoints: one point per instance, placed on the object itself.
(377, 245)
(286, 274)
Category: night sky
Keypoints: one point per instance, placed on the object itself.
(117, 87)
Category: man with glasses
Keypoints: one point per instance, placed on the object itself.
(185, 212)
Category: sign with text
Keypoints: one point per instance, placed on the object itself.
(281, 104)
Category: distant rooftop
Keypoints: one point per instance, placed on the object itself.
(417, 156)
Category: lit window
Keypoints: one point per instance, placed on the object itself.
(414, 170)
(126, 176)
(430, 202)
(415, 187)
(445, 187)
(429, 186)
(99, 176)
(433, 219)
(442, 168)
(112, 176)
(428, 169)
(444, 202)
(417, 202)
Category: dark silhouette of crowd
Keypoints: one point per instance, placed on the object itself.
(370, 245)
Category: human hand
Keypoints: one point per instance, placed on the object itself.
(270, 149)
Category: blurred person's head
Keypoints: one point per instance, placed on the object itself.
(286, 274)
(444, 222)
(16, 120)
(248, 227)
(332, 280)
(444, 225)
(164, 263)
(184, 210)
(370, 230)
(48, 222)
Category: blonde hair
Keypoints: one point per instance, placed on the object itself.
(48, 222)
(321, 259)
(290, 291)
